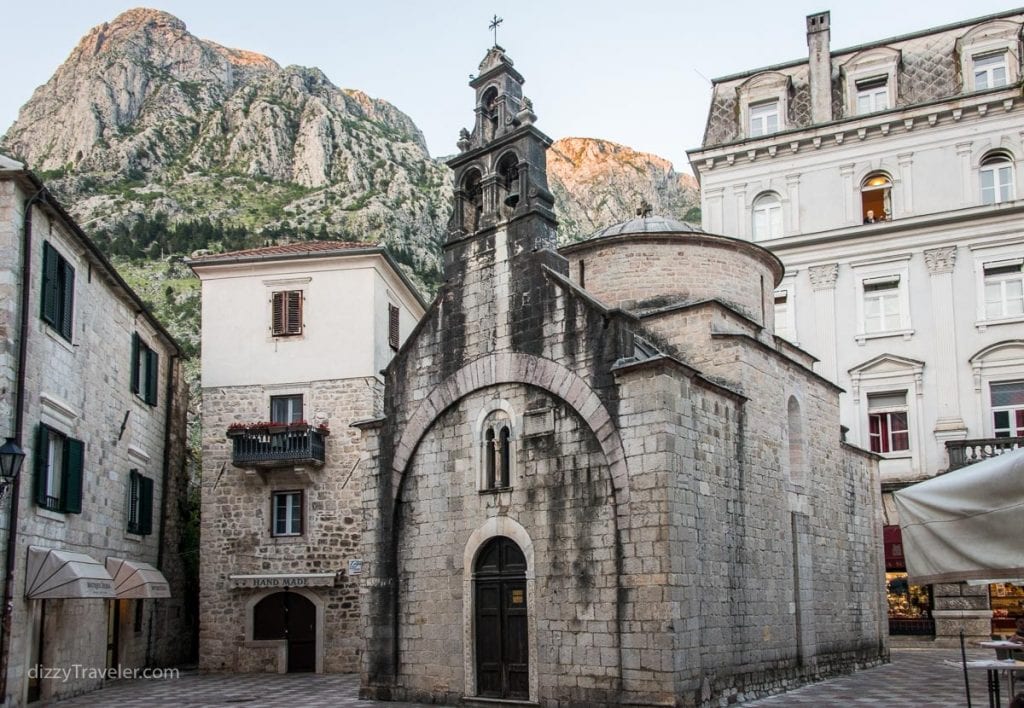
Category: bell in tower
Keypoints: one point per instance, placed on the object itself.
(501, 169)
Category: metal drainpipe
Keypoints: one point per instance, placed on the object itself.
(19, 421)
(165, 473)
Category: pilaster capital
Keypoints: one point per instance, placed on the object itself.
(940, 260)
(823, 277)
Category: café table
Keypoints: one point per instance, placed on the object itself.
(992, 667)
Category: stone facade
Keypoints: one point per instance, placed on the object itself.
(941, 241)
(349, 295)
(691, 528)
(77, 382)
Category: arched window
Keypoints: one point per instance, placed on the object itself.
(795, 428)
(508, 182)
(876, 204)
(497, 454)
(472, 201)
(489, 104)
(996, 178)
(767, 217)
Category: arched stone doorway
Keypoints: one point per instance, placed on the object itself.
(291, 617)
(501, 636)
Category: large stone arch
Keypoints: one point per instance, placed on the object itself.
(520, 368)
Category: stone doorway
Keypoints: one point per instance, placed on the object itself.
(502, 649)
(292, 617)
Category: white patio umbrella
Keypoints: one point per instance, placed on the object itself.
(966, 525)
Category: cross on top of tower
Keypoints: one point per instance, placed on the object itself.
(494, 26)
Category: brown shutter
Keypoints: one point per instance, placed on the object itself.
(393, 326)
(294, 312)
(277, 316)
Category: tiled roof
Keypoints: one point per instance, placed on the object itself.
(298, 248)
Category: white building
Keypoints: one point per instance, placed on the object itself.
(93, 393)
(294, 339)
(887, 177)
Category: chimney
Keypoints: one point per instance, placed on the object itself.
(819, 61)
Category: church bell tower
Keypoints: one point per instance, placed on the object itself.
(501, 170)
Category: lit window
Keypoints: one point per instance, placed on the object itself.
(1004, 289)
(990, 70)
(872, 94)
(1008, 409)
(887, 422)
(875, 198)
(882, 304)
(764, 118)
(996, 179)
(767, 217)
(287, 513)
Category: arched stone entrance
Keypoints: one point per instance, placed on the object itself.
(501, 636)
(290, 617)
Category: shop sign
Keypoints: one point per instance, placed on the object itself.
(355, 566)
(282, 580)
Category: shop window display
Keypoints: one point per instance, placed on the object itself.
(909, 606)
(1007, 605)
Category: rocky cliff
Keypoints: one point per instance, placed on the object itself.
(164, 142)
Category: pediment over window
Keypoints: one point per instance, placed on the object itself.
(876, 56)
(765, 84)
(887, 364)
(994, 30)
(988, 55)
(1009, 351)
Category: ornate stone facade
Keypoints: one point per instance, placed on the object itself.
(679, 511)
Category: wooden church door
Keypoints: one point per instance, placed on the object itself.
(502, 654)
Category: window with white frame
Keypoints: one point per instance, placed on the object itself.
(782, 311)
(990, 70)
(767, 217)
(287, 513)
(996, 176)
(888, 430)
(1004, 289)
(872, 94)
(1007, 409)
(882, 311)
(764, 118)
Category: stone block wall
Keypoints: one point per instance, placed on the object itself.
(236, 522)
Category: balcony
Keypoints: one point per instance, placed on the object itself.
(966, 452)
(262, 446)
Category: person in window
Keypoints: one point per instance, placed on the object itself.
(869, 217)
(1018, 637)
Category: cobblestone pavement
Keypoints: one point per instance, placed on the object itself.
(917, 678)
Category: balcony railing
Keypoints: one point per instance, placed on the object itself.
(966, 452)
(268, 448)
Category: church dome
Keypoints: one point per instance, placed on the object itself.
(651, 262)
(646, 225)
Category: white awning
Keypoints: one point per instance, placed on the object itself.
(967, 524)
(54, 574)
(137, 580)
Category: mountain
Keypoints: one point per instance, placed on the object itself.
(597, 183)
(165, 143)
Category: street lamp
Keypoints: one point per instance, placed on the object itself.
(11, 459)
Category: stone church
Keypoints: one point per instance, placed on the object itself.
(600, 477)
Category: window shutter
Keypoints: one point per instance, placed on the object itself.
(277, 315)
(135, 362)
(393, 326)
(133, 501)
(152, 376)
(71, 497)
(42, 454)
(68, 310)
(145, 505)
(49, 295)
(294, 312)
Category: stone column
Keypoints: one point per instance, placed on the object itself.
(823, 285)
(949, 423)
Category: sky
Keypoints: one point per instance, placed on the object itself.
(634, 72)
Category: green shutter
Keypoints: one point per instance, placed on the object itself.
(152, 376)
(71, 497)
(68, 305)
(135, 362)
(48, 309)
(42, 454)
(145, 505)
